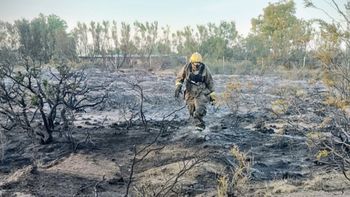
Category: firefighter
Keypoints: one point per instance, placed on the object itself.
(199, 88)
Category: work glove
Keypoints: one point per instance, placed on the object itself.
(212, 98)
(178, 90)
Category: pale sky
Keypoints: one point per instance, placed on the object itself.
(176, 13)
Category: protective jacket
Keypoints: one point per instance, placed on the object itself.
(197, 81)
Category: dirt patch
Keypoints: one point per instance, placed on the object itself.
(90, 167)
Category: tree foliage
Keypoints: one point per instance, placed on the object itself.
(145, 39)
(280, 34)
(45, 38)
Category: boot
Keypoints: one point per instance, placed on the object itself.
(200, 125)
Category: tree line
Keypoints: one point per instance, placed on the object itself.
(277, 37)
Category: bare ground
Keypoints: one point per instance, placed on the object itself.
(99, 162)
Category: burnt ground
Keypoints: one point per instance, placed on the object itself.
(98, 162)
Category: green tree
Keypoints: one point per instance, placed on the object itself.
(116, 45)
(146, 37)
(44, 38)
(106, 44)
(281, 30)
(163, 45)
(127, 46)
(115, 37)
(185, 41)
(255, 48)
(80, 34)
(57, 37)
(8, 35)
(217, 41)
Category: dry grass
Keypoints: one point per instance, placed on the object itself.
(273, 188)
(327, 182)
(92, 168)
(18, 176)
(223, 186)
(237, 182)
(321, 184)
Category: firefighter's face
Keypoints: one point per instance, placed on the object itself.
(195, 65)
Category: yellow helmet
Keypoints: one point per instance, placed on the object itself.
(196, 57)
